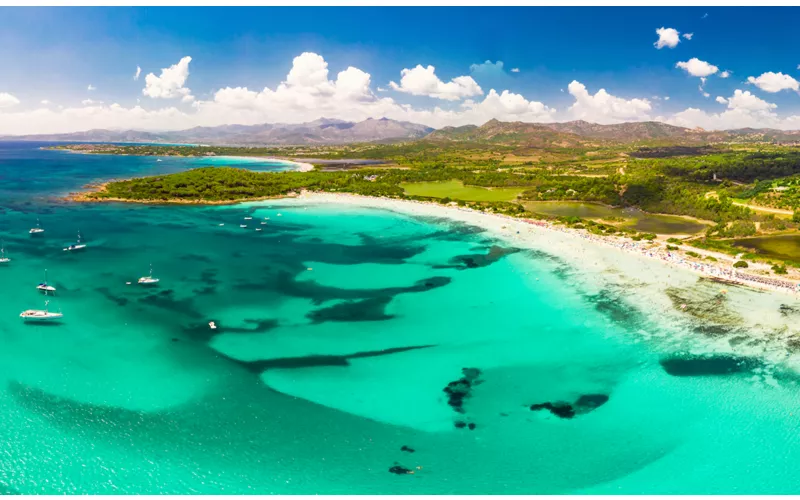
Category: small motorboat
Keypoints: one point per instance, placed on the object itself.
(258, 229)
(222, 225)
(263, 223)
(76, 246)
(158, 159)
(37, 229)
(248, 218)
(242, 225)
(148, 280)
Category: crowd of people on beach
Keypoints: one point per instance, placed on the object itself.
(656, 252)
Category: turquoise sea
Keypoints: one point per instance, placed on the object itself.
(353, 348)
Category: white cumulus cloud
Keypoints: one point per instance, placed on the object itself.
(774, 82)
(423, 81)
(170, 84)
(515, 70)
(138, 72)
(603, 107)
(45, 102)
(90, 102)
(688, 36)
(91, 87)
(743, 110)
(505, 106)
(696, 67)
(7, 100)
(667, 37)
(725, 74)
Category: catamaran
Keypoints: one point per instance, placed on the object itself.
(148, 280)
(41, 314)
(3, 258)
(37, 229)
(44, 287)
(76, 246)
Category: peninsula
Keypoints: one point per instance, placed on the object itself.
(714, 203)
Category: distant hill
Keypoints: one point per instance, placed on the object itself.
(576, 133)
(322, 131)
(326, 131)
(638, 131)
(518, 133)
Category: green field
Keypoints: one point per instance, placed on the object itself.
(456, 190)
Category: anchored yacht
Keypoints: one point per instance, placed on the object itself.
(76, 246)
(43, 286)
(41, 314)
(148, 280)
(3, 258)
(37, 229)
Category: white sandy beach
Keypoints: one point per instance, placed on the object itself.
(300, 166)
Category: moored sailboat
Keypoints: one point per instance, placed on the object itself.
(76, 246)
(44, 286)
(37, 229)
(148, 280)
(3, 258)
(41, 314)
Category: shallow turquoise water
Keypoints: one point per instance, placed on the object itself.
(339, 328)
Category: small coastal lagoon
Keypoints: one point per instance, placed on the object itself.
(363, 351)
(628, 217)
(786, 246)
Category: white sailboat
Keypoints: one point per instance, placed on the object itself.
(44, 287)
(3, 258)
(41, 314)
(37, 229)
(76, 246)
(148, 280)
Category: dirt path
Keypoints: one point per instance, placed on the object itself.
(757, 208)
(764, 209)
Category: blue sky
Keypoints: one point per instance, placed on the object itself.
(54, 54)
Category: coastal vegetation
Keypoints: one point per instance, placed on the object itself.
(716, 195)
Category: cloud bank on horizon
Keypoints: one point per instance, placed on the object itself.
(310, 90)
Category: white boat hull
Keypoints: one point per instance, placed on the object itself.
(72, 248)
(40, 316)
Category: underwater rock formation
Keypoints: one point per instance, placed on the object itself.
(584, 404)
(460, 389)
(699, 366)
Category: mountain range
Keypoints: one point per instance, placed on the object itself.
(326, 131)
(318, 132)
